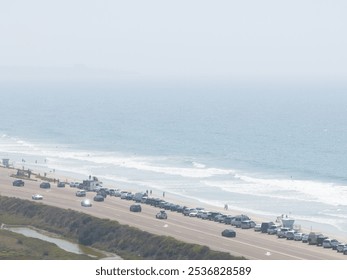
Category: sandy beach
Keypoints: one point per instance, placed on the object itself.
(250, 244)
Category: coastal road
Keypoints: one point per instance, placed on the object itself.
(250, 244)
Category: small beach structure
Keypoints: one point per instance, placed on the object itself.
(22, 173)
(91, 184)
(285, 221)
(6, 162)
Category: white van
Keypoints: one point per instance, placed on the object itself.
(247, 224)
(238, 219)
(326, 243)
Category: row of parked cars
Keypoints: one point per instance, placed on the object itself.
(245, 222)
(239, 221)
(311, 238)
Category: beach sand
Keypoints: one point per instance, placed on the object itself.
(304, 226)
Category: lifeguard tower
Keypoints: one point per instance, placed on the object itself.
(6, 162)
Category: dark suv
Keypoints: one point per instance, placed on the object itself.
(99, 198)
(135, 208)
(18, 183)
(45, 185)
(229, 233)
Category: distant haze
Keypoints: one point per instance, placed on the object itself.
(221, 40)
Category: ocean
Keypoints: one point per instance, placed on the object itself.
(262, 150)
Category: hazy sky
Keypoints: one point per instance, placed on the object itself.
(182, 39)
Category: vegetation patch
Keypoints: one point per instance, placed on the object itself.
(15, 246)
(125, 241)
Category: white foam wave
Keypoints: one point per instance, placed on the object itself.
(303, 190)
(199, 165)
(147, 164)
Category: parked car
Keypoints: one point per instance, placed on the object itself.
(111, 192)
(139, 196)
(74, 184)
(201, 213)
(238, 219)
(320, 239)
(247, 224)
(281, 233)
(212, 215)
(344, 250)
(61, 185)
(290, 234)
(187, 211)
(86, 203)
(99, 198)
(102, 192)
(334, 243)
(129, 196)
(312, 238)
(175, 207)
(45, 185)
(161, 215)
(180, 209)
(229, 233)
(81, 193)
(304, 238)
(220, 218)
(117, 193)
(298, 236)
(326, 243)
(228, 219)
(193, 213)
(257, 227)
(272, 229)
(265, 226)
(135, 208)
(340, 247)
(37, 197)
(123, 195)
(18, 183)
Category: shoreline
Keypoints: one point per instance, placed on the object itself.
(305, 225)
(249, 244)
(195, 181)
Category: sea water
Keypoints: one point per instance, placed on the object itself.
(267, 151)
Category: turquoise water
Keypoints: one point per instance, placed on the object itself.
(261, 150)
